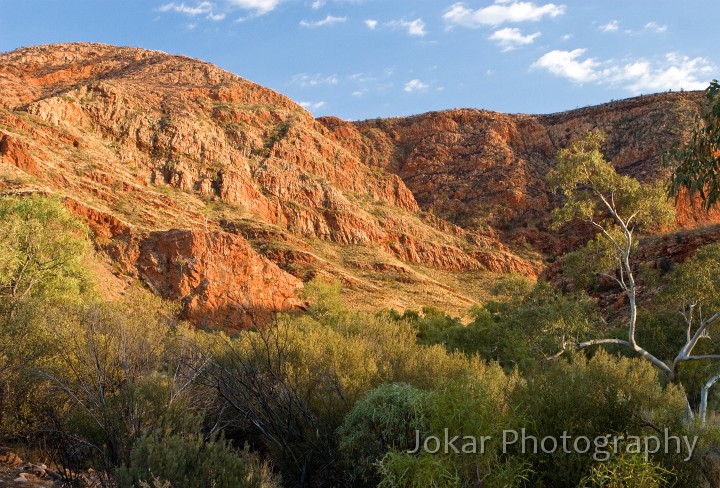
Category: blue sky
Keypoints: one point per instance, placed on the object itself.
(360, 59)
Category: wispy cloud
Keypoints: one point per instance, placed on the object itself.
(305, 80)
(500, 12)
(413, 27)
(258, 7)
(317, 4)
(361, 77)
(201, 8)
(653, 26)
(198, 9)
(312, 105)
(371, 23)
(211, 11)
(329, 20)
(415, 85)
(511, 38)
(611, 26)
(673, 71)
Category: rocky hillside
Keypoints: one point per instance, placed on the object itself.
(477, 168)
(227, 196)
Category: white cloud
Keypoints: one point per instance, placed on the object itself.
(653, 26)
(199, 9)
(215, 17)
(312, 105)
(611, 26)
(361, 77)
(259, 7)
(500, 12)
(415, 85)
(414, 27)
(511, 38)
(673, 71)
(567, 37)
(305, 80)
(566, 65)
(316, 4)
(329, 20)
(371, 23)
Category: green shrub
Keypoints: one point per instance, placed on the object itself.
(400, 470)
(627, 471)
(42, 248)
(293, 382)
(188, 461)
(603, 395)
(386, 419)
(325, 300)
(474, 411)
(433, 324)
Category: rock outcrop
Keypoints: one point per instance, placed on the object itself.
(219, 279)
(225, 195)
(163, 154)
(478, 168)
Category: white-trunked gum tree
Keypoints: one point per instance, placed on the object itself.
(619, 208)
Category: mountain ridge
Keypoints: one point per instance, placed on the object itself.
(226, 196)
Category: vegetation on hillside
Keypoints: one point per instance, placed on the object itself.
(333, 397)
(695, 163)
(329, 396)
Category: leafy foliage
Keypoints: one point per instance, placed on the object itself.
(331, 396)
(189, 461)
(696, 162)
(627, 470)
(688, 295)
(41, 249)
(595, 193)
(468, 408)
(597, 396)
(594, 190)
(544, 320)
(106, 369)
(517, 332)
(386, 419)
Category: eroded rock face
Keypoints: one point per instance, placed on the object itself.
(475, 167)
(219, 279)
(143, 144)
(183, 123)
(223, 194)
(13, 152)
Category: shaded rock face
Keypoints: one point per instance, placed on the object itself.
(478, 168)
(224, 195)
(159, 152)
(16, 154)
(219, 279)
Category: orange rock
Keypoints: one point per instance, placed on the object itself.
(221, 193)
(217, 276)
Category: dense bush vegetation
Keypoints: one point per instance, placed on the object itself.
(328, 397)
